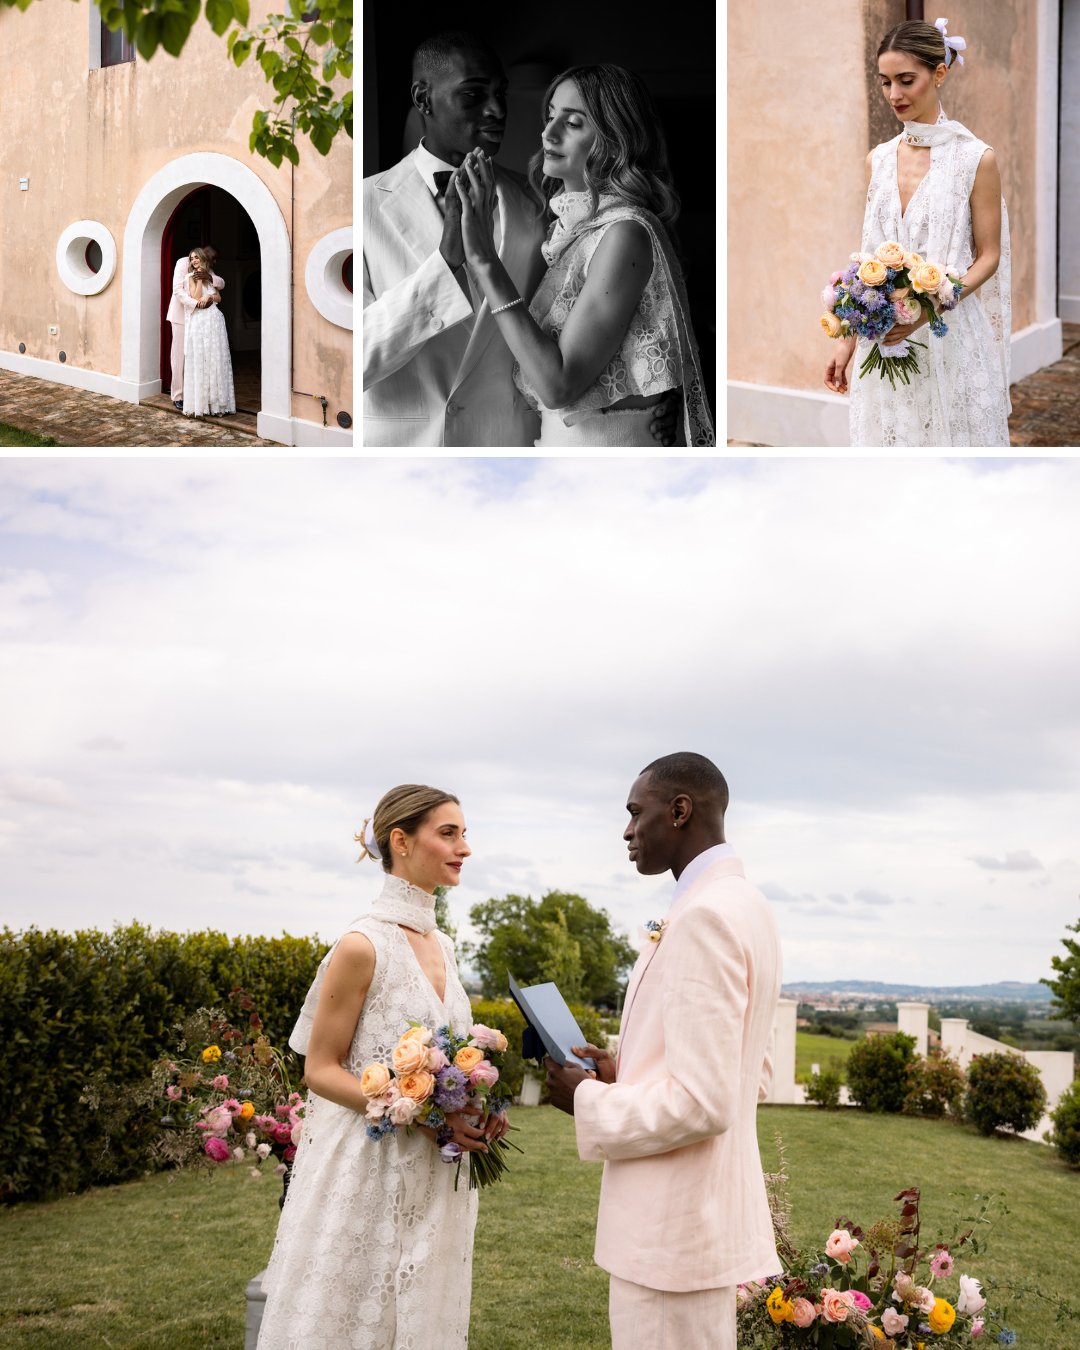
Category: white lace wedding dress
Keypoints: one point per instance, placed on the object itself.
(374, 1246)
(960, 397)
(208, 374)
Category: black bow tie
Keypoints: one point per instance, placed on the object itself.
(442, 177)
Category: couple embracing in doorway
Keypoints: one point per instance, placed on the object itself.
(202, 376)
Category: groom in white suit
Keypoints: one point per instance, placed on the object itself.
(437, 371)
(683, 1213)
(180, 303)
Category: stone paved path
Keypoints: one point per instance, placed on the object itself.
(77, 418)
(1046, 406)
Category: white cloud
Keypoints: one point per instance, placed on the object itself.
(223, 664)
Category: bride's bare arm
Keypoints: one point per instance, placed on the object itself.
(341, 1001)
(836, 372)
(985, 225)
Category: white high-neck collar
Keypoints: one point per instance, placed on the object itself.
(401, 902)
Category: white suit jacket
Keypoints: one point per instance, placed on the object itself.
(181, 303)
(683, 1204)
(435, 371)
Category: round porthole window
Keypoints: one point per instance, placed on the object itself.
(86, 257)
(328, 265)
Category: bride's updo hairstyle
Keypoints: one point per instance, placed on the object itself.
(629, 156)
(921, 40)
(402, 808)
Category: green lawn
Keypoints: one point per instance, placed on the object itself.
(164, 1262)
(829, 1052)
(13, 436)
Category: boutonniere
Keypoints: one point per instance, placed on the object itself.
(654, 930)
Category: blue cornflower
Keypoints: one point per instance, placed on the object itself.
(873, 300)
(451, 1089)
(820, 1270)
(1006, 1338)
(377, 1129)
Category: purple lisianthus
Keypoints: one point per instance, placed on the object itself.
(450, 1152)
(451, 1089)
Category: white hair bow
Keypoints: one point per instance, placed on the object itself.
(954, 45)
(370, 842)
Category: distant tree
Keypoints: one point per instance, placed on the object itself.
(442, 913)
(299, 52)
(559, 937)
(1066, 988)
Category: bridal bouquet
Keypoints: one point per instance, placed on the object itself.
(881, 289)
(878, 1288)
(433, 1074)
(226, 1095)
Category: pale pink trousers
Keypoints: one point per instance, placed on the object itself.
(177, 362)
(703, 1319)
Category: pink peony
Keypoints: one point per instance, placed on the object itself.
(283, 1134)
(803, 1312)
(840, 1245)
(485, 1074)
(218, 1120)
(861, 1301)
(403, 1110)
(436, 1060)
(836, 1304)
(893, 1323)
(907, 310)
(220, 1083)
(488, 1038)
(971, 1300)
(941, 1263)
(217, 1149)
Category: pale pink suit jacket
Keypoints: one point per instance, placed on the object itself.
(683, 1204)
(180, 302)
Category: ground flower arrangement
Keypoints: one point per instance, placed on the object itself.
(877, 1287)
(226, 1095)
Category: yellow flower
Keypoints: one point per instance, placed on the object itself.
(780, 1308)
(211, 1054)
(942, 1317)
(832, 326)
(247, 1110)
(873, 272)
(877, 1332)
(927, 277)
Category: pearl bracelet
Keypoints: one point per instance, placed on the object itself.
(511, 305)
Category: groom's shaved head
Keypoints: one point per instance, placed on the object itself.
(694, 775)
(435, 55)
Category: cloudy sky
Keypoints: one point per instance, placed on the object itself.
(210, 670)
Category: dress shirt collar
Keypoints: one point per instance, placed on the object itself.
(427, 164)
(694, 869)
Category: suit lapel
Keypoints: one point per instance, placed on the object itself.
(410, 211)
(636, 976)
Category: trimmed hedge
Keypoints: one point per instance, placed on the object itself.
(97, 1007)
(1005, 1092)
(877, 1071)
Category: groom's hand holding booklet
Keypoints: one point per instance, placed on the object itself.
(550, 1027)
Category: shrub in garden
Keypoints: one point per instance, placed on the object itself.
(877, 1071)
(1065, 1135)
(824, 1089)
(1004, 1092)
(935, 1086)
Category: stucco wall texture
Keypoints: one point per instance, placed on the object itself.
(90, 140)
(804, 108)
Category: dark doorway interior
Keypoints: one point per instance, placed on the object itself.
(210, 215)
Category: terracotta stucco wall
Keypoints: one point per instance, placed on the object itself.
(90, 140)
(803, 110)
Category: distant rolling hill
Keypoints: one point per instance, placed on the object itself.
(1005, 991)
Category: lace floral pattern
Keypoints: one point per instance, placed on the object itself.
(208, 376)
(374, 1247)
(960, 396)
(658, 352)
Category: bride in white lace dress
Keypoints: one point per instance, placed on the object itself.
(208, 374)
(608, 331)
(374, 1245)
(935, 189)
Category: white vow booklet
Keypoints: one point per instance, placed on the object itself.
(554, 1027)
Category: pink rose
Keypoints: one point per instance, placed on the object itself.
(218, 1120)
(828, 297)
(290, 1153)
(485, 1074)
(263, 1150)
(836, 1304)
(238, 1154)
(977, 1327)
(924, 1299)
(436, 1060)
(803, 1312)
(403, 1110)
(907, 310)
(295, 1132)
(971, 1299)
(893, 1323)
(217, 1149)
(173, 1093)
(840, 1245)
(220, 1083)
(488, 1038)
(861, 1301)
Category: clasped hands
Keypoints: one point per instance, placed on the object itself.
(563, 1079)
(469, 222)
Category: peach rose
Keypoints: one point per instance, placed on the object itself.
(374, 1080)
(419, 1033)
(891, 254)
(927, 277)
(832, 325)
(913, 260)
(468, 1057)
(872, 272)
(899, 293)
(409, 1055)
(803, 1312)
(419, 1086)
(840, 1246)
(836, 1304)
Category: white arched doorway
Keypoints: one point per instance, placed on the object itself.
(140, 343)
